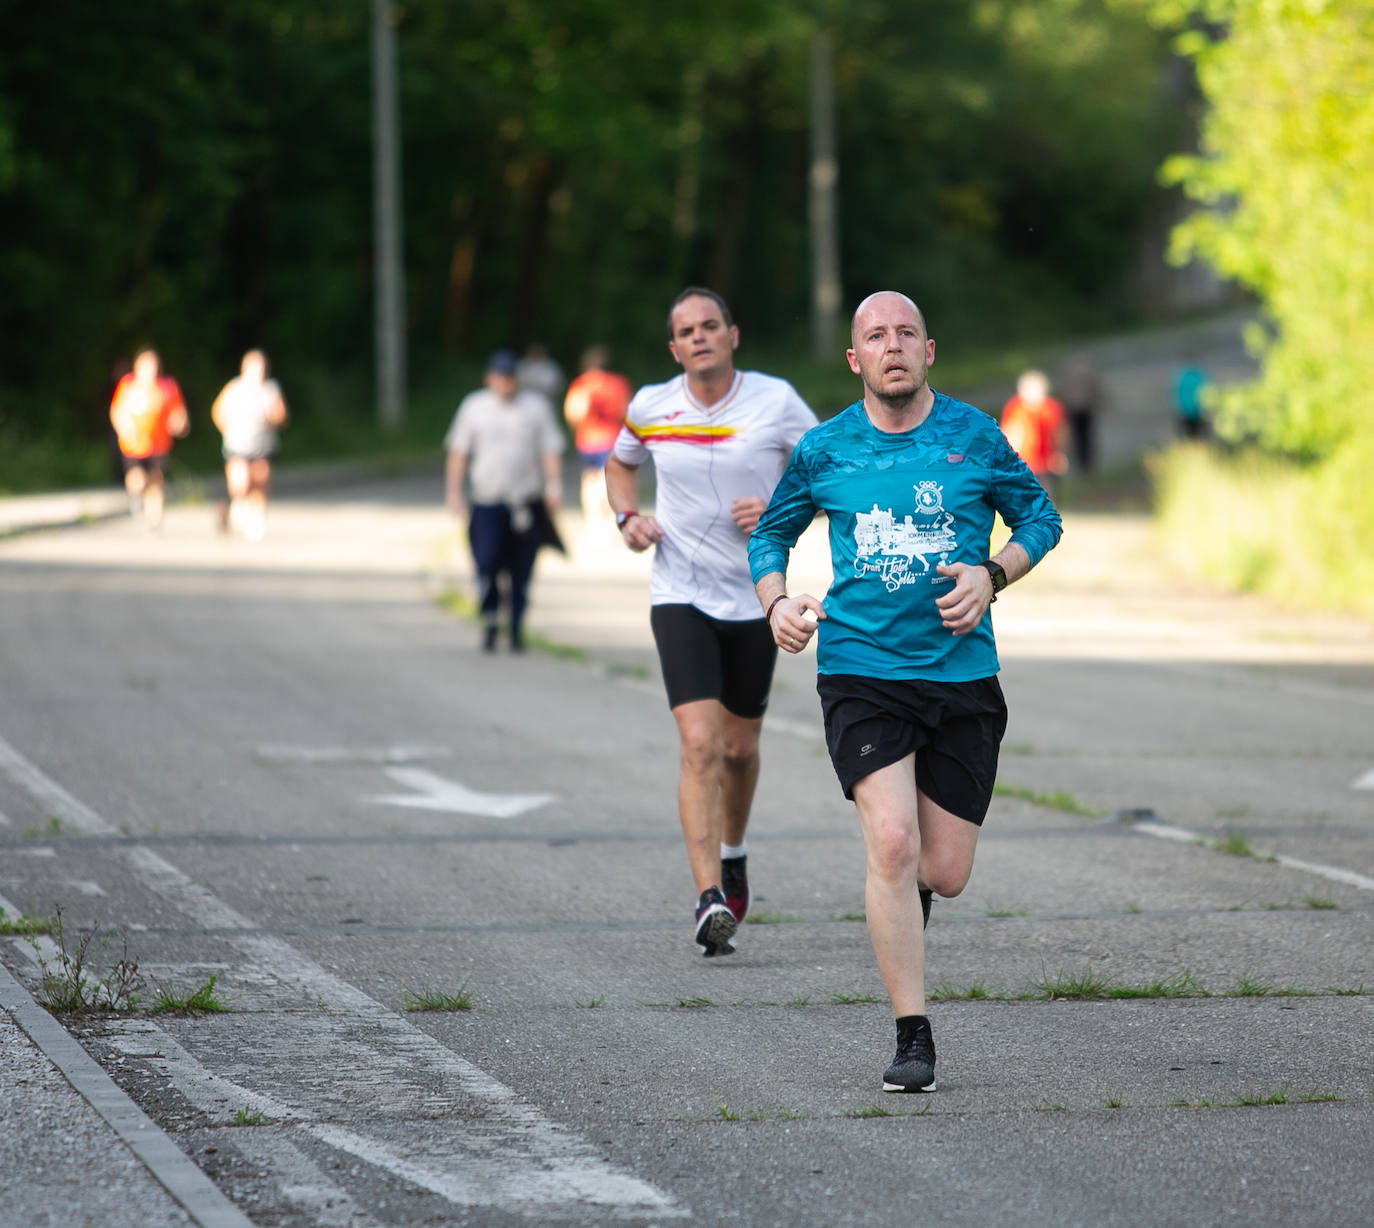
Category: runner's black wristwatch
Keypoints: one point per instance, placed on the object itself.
(999, 577)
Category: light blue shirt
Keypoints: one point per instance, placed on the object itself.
(899, 504)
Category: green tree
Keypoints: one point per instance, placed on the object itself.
(1286, 180)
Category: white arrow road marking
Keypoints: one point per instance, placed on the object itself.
(439, 793)
(357, 1067)
(1366, 781)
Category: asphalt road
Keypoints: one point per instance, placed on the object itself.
(287, 767)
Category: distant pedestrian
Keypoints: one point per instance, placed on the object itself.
(1035, 426)
(249, 412)
(539, 372)
(1080, 390)
(1190, 386)
(595, 409)
(910, 481)
(505, 444)
(147, 412)
(719, 438)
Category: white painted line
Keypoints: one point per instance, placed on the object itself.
(439, 793)
(346, 754)
(501, 1153)
(1162, 831)
(175, 1170)
(1364, 782)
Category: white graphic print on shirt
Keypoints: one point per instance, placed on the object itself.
(883, 546)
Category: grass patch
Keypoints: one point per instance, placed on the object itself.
(1132, 908)
(854, 999)
(1048, 1106)
(1235, 844)
(200, 1000)
(24, 926)
(1256, 1101)
(977, 992)
(1056, 799)
(245, 1117)
(1316, 1097)
(798, 1002)
(1116, 1103)
(725, 1111)
(872, 1110)
(771, 918)
(1249, 987)
(1064, 987)
(852, 916)
(1199, 1103)
(1319, 902)
(1180, 985)
(435, 1000)
(695, 1003)
(593, 1003)
(1005, 912)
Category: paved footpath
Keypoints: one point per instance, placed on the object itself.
(1097, 647)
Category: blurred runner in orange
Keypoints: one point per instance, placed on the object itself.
(147, 413)
(248, 412)
(595, 409)
(1035, 426)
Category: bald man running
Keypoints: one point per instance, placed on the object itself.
(910, 481)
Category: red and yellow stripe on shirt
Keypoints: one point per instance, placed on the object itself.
(669, 432)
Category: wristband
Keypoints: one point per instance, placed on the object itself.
(772, 605)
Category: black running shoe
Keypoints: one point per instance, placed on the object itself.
(716, 924)
(734, 882)
(489, 633)
(925, 906)
(913, 1069)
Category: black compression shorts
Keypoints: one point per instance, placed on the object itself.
(712, 658)
(954, 728)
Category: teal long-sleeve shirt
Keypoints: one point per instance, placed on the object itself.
(899, 504)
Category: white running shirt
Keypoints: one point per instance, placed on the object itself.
(703, 459)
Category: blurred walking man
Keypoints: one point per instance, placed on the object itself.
(505, 443)
(910, 481)
(719, 438)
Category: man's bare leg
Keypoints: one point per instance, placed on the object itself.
(700, 800)
(739, 774)
(888, 809)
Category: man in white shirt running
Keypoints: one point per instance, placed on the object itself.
(719, 439)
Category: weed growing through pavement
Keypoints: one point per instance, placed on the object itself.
(852, 916)
(1319, 902)
(1249, 987)
(204, 999)
(798, 1001)
(977, 992)
(872, 1110)
(73, 985)
(1256, 1101)
(1005, 912)
(770, 918)
(1065, 986)
(725, 1111)
(1048, 1106)
(1180, 985)
(854, 999)
(243, 1117)
(1058, 799)
(1237, 844)
(1116, 1103)
(695, 1002)
(24, 926)
(1200, 1103)
(592, 1003)
(435, 1000)
(1316, 1097)
(1132, 907)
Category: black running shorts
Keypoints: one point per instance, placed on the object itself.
(954, 728)
(711, 658)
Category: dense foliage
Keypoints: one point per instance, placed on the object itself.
(1286, 171)
(197, 174)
